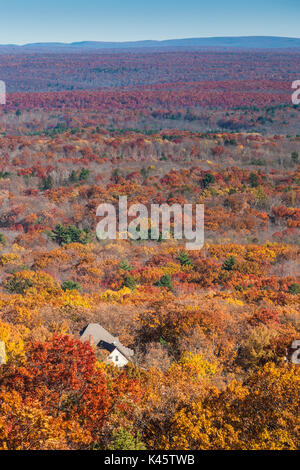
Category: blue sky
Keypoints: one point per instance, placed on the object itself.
(24, 21)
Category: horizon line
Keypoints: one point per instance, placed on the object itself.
(144, 40)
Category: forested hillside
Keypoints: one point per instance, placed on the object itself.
(211, 329)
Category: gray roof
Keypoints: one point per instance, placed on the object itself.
(102, 338)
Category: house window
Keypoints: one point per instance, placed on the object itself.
(116, 358)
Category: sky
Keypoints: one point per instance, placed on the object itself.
(27, 21)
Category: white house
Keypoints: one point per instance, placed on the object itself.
(95, 334)
(117, 358)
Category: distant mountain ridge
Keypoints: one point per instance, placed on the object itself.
(242, 42)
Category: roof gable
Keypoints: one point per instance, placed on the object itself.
(103, 339)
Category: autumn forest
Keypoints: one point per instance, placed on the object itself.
(211, 329)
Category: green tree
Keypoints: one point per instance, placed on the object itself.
(70, 285)
(83, 175)
(184, 259)
(46, 183)
(124, 440)
(65, 235)
(207, 180)
(294, 289)
(229, 263)
(129, 282)
(253, 180)
(73, 178)
(165, 281)
(125, 265)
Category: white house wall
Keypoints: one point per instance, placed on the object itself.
(121, 362)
